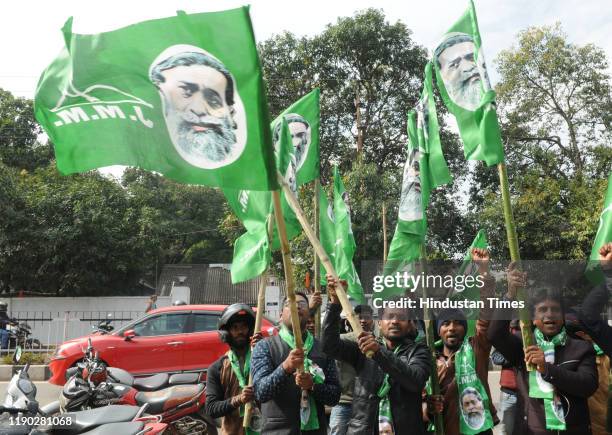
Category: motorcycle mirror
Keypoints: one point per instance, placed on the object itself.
(17, 354)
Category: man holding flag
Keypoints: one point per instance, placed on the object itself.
(227, 389)
(388, 385)
(555, 395)
(463, 365)
(292, 401)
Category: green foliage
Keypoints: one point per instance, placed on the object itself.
(26, 358)
(554, 105)
(19, 147)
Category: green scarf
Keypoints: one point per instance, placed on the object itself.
(384, 406)
(471, 392)
(540, 389)
(309, 420)
(242, 376)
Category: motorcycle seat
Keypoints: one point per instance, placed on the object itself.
(151, 383)
(86, 420)
(128, 428)
(168, 398)
(184, 378)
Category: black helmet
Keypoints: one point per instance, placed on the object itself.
(231, 313)
(179, 302)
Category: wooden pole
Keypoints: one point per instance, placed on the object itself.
(261, 301)
(384, 225)
(524, 315)
(288, 268)
(317, 272)
(434, 381)
(318, 248)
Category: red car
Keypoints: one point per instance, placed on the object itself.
(172, 339)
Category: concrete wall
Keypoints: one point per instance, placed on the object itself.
(57, 319)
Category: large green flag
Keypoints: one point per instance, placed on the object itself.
(182, 96)
(303, 119)
(254, 208)
(465, 89)
(344, 246)
(603, 236)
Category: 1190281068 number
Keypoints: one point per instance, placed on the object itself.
(41, 420)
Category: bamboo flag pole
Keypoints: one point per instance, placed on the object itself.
(317, 277)
(261, 301)
(318, 248)
(430, 337)
(524, 315)
(384, 225)
(288, 268)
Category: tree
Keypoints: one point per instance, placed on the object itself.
(361, 55)
(554, 106)
(19, 146)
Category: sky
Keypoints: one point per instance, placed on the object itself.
(31, 37)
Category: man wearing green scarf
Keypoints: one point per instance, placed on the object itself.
(555, 396)
(462, 363)
(387, 391)
(226, 383)
(285, 408)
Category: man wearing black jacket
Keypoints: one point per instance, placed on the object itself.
(599, 297)
(227, 389)
(566, 372)
(388, 386)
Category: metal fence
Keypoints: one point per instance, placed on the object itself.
(51, 328)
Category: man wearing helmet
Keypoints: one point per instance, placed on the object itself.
(226, 386)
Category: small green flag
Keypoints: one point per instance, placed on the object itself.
(254, 208)
(183, 96)
(327, 230)
(303, 119)
(603, 236)
(344, 245)
(463, 81)
(472, 293)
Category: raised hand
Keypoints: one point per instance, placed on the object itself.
(605, 256)
(294, 360)
(516, 279)
(481, 257)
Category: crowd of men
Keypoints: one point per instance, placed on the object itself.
(377, 381)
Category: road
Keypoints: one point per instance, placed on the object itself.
(46, 392)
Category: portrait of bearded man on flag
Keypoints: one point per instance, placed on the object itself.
(299, 128)
(411, 206)
(202, 109)
(465, 77)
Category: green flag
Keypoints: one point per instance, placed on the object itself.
(182, 96)
(428, 133)
(472, 293)
(303, 119)
(463, 81)
(344, 247)
(327, 231)
(405, 248)
(603, 236)
(254, 208)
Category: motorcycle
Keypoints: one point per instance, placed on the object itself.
(104, 326)
(19, 335)
(178, 400)
(20, 414)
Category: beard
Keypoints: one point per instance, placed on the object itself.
(237, 344)
(475, 419)
(466, 93)
(213, 144)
